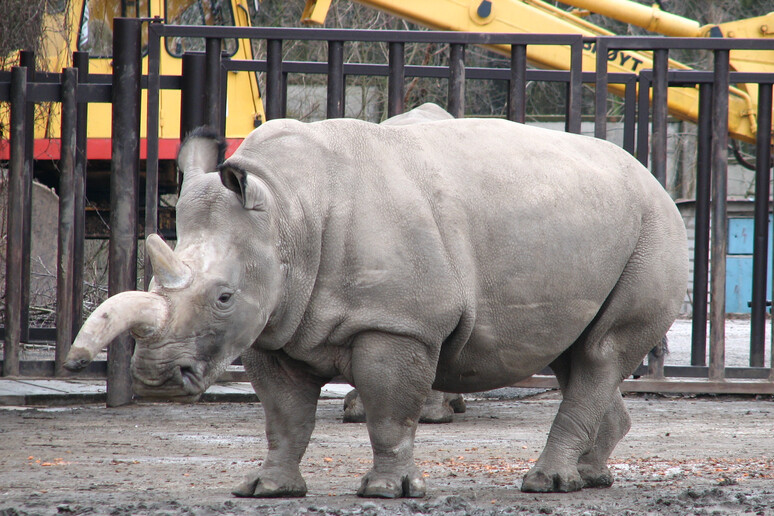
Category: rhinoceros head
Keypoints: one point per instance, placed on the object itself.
(211, 297)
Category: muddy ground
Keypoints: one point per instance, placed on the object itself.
(683, 456)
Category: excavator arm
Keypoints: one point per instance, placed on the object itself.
(536, 16)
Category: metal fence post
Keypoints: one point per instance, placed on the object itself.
(212, 79)
(761, 228)
(124, 194)
(396, 87)
(273, 79)
(659, 127)
(13, 245)
(192, 93)
(336, 83)
(702, 227)
(600, 90)
(64, 262)
(27, 59)
(719, 218)
(643, 112)
(630, 115)
(760, 250)
(517, 89)
(81, 62)
(572, 122)
(151, 223)
(456, 100)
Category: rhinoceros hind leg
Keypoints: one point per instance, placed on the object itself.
(354, 411)
(592, 465)
(636, 315)
(457, 403)
(268, 483)
(438, 408)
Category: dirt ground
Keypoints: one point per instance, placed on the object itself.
(685, 455)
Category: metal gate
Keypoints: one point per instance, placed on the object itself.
(203, 102)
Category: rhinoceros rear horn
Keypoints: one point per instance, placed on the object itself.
(201, 152)
(168, 270)
(142, 312)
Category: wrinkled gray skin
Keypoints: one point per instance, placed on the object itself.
(438, 407)
(459, 255)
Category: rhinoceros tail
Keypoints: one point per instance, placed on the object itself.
(661, 349)
(201, 152)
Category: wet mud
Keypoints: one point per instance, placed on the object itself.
(684, 455)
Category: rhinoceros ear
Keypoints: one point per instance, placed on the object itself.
(250, 190)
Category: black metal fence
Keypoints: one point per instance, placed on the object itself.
(203, 101)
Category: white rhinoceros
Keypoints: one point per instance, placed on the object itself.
(459, 255)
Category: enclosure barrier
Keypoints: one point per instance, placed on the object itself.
(203, 97)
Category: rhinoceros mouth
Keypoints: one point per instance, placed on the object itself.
(179, 381)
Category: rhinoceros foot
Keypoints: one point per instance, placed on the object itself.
(595, 477)
(354, 411)
(271, 483)
(406, 484)
(538, 480)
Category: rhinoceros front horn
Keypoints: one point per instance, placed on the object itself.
(142, 312)
(168, 270)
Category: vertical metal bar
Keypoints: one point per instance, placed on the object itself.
(761, 242)
(702, 228)
(124, 186)
(192, 93)
(81, 62)
(643, 112)
(600, 89)
(396, 87)
(223, 102)
(517, 89)
(64, 262)
(152, 150)
(574, 96)
(273, 79)
(284, 99)
(335, 104)
(719, 219)
(27, 60)
(13, 243)
(456, 98)
(212, 80)
(659, 128)
(630, 115)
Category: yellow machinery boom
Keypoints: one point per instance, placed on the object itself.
(87, 25)
(536, 16)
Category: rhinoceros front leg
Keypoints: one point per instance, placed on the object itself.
(289, 397)
(393, 375)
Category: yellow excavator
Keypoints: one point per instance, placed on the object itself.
(90, 29)
(536, 16)
(87, 25)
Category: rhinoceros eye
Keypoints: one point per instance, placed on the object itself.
(225, 297)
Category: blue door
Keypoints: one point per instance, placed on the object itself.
(739, 265)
